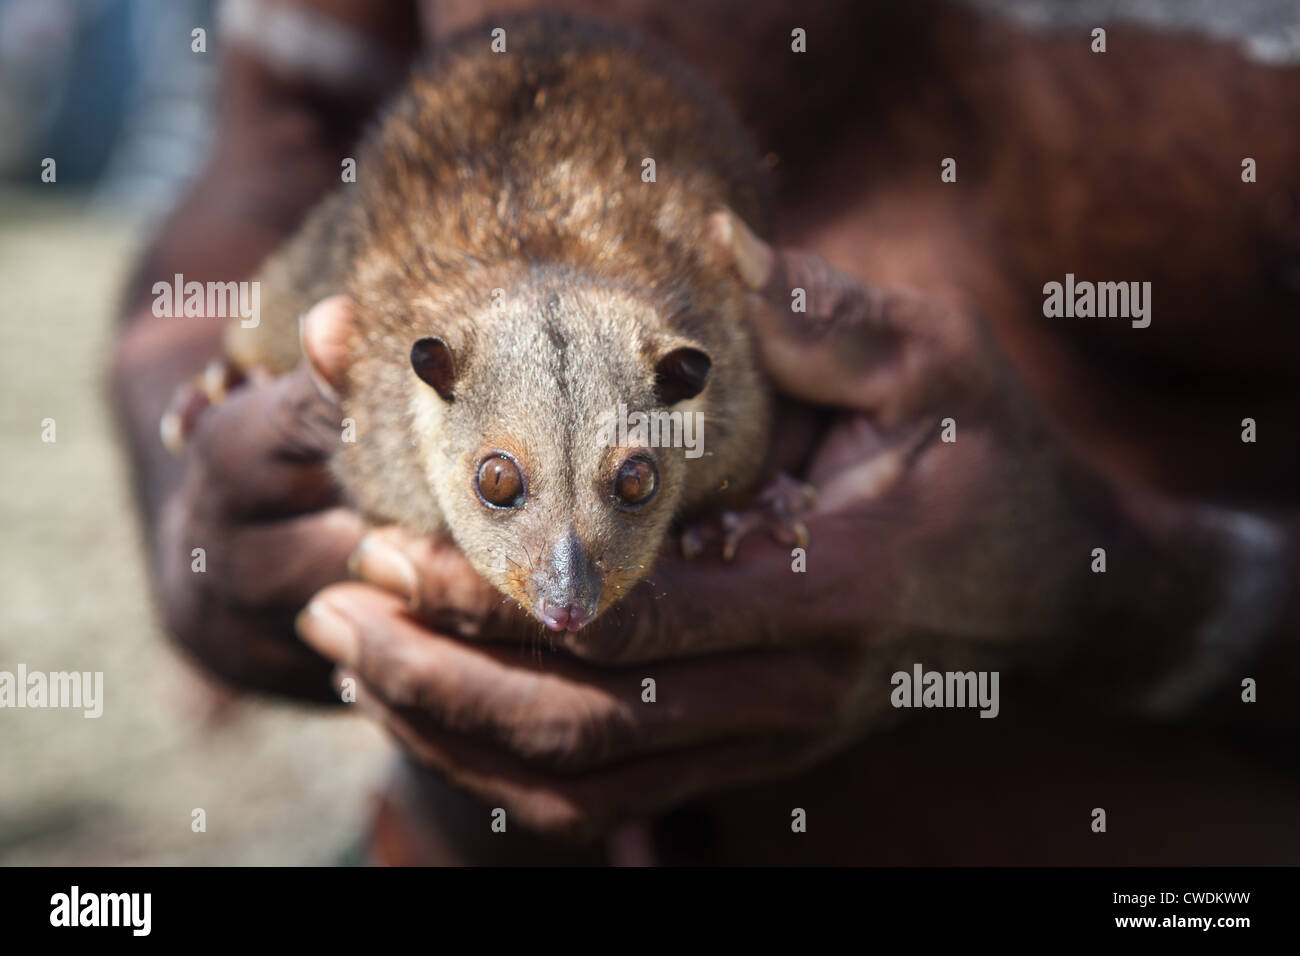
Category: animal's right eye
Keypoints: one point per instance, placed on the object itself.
(499, 482)
(636, 482)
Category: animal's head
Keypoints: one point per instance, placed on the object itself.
(553, 435)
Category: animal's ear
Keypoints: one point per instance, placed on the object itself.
(434, 362)
(681, 374)
(324, 334)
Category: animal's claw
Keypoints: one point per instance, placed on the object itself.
(776, 509)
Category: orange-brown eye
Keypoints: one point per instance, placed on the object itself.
(635, 482)
(499, 482)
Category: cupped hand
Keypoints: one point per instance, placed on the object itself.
(254, 529)
(951, 529)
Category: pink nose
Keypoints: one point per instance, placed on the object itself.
(570, 617)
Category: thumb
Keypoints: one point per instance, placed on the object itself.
(829, 338)
(264, 448)
(305, 402)
(325, 334)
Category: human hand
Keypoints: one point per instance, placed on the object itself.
(257, 497)
(951, 553)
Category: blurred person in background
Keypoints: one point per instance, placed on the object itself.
(111, 88)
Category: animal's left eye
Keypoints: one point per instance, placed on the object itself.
(636, 482)
(499, 482)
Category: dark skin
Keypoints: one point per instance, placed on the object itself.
(974, 553)
(276, 153)
(784, 676)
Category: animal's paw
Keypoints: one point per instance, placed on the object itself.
(191, 398)
(777, 509)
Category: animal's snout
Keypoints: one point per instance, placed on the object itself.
(568, 586)
(570, 617)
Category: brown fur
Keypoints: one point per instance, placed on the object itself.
(521, 172)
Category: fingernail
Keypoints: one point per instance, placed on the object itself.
(182, 416)
(329, 633)
(752, 256)
(218, 379)
(323, 386)
(171, 433)
(383, 565)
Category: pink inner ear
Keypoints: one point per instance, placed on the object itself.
(432, 360)
(681, 374)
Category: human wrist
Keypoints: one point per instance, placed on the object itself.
(1190, 596)
(1249, 602)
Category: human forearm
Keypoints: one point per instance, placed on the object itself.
(1193, 599)
(277, 151)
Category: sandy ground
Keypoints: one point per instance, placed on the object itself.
(278, 783)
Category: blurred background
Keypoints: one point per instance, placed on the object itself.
(111, 90)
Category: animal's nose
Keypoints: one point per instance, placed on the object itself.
(568, 617)
(568, 585)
